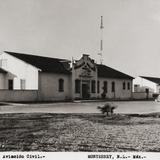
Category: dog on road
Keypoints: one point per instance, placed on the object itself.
(107, 108)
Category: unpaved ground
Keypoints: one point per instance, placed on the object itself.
(79, 132)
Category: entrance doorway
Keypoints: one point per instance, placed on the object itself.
(10, 84)
(85, 91)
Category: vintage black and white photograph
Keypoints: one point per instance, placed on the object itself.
(80, 76)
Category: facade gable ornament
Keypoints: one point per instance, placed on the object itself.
(86, 72)
(76, 66)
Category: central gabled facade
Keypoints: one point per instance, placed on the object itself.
(84, 78)
(91, 80)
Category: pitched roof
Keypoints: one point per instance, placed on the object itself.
(107, 72)
(46, 64)
(2, 70)
(152, 79)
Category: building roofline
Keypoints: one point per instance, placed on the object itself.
(152, 79)
(22, 60)
(60, 59)
(113, 73)
(44, 64)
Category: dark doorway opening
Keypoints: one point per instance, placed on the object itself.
(147, 93)
(85, 91)
(10, 84)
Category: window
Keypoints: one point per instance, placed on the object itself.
(10, 84)
(61, 85)
(124, 85)
(98, 85)
(77, 86)
(105, 86)
(23, 83)
(128, 84)
(147, 90)
(93, 86)
(113, 86)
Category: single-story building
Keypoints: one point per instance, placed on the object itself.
(144, 86)
(59, 79)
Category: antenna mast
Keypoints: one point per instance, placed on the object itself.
(101, 41)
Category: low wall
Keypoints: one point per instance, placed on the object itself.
(18, 95)
(142, 95)
(34, 95)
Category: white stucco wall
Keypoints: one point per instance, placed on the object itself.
(119, 93)
(2, 80)
(143, 84)
(48, 86)
(19, 70)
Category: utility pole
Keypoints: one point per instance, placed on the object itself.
(101, 41)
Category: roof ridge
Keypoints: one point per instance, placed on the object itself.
(150, 77)
(36, 55)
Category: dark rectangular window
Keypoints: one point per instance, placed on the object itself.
(147, 90)
(77, 86)
(93, 87)
(128, 86)
(113, 86)
(105, 87)
(61, 85)
(124, 85)
(10, 84)
(98, 86)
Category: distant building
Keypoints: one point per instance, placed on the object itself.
(147, 84)
(54, 79)
(146, 87)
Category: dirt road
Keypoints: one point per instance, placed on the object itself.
(79, 132)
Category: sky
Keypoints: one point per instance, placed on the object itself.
(70, 28)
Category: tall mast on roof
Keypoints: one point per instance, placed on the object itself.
(101, 41)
